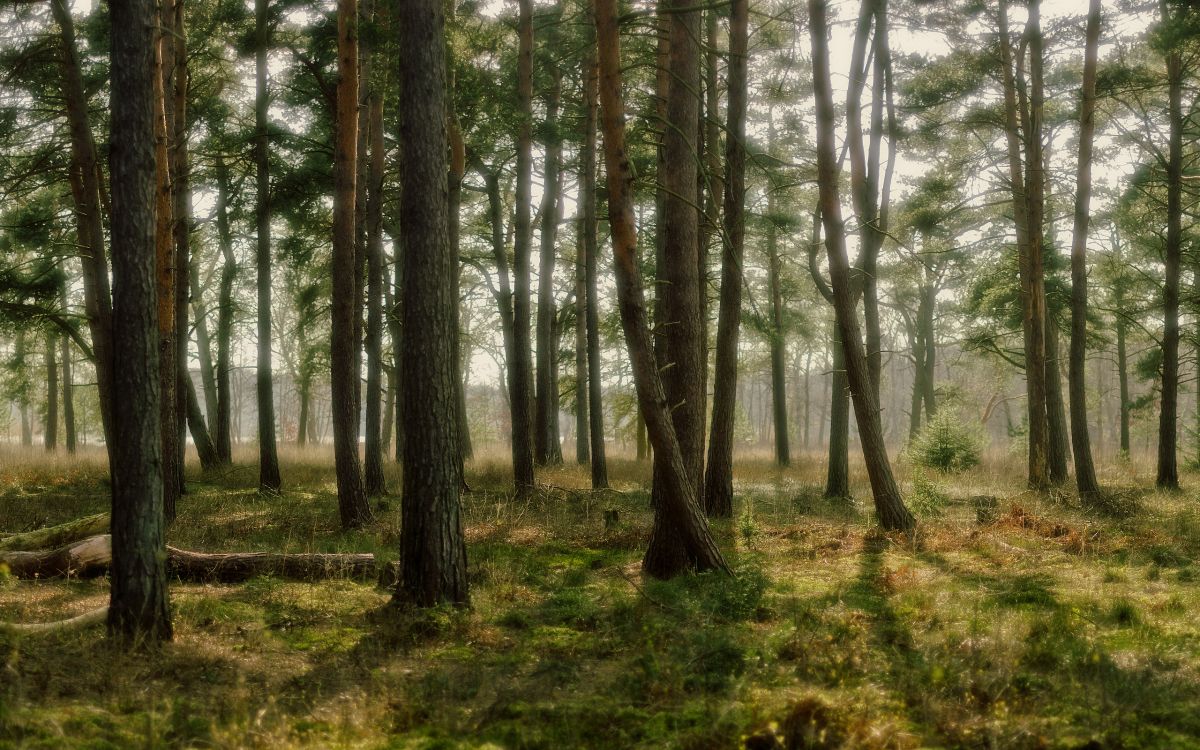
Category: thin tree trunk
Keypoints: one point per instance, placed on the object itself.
(678, 508)
(778, 343)
(718, 483)
(547, 448)
(583, 452)
(1085, 471)
(68, 394)
(50, 433)
(139, 611)
(889, 505)
(167, 274)
(205, 449)
(181, 208)
(208, 375)
(344, 374)
(373, 465)
(396, 326)
(268, 459)
(458, 166)
(229, 271)
(433, 556)
(591, 250)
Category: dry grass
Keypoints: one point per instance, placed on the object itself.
(1026, 622)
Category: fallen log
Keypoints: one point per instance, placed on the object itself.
(78, 622)
(88, 558)
(92, 557)
(57, 536)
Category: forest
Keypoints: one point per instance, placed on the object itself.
(758, 374)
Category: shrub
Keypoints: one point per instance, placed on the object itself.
(927, 499)
(945, 445)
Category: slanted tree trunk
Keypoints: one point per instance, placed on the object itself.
(205, 450)
(889, 505)
(1168, 468)
(718, 481)
(837, 470)
(373, 465)
(50, 433)
(1081, 444)
(268, 458)
(344, 375)
(433, 556)
(547, 448)
(139, 612)
(229, 270)
(678, 507)
(521, 379)
(591, 250)
(208, 374)
(85, 189)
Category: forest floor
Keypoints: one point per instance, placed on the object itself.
(1029, 623)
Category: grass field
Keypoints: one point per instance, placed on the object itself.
(1010, 621)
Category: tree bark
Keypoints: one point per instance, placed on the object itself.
(889, 505)
(547, 447)
(68, 394)
(1056, 410)
(139, 612)
(778, 343)
(268, 458)
(205, 450)
(344, 374)
(679, 278)
(718, 482)
(433, 557)
(1168, 468)
(57, 536)
(1081, 444)
(678, 508)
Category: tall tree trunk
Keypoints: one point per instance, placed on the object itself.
(208, 374)
(1028, 220)
(591, 250)
(167, 271)
(678, 508)
(583, 452)
(373, 465)
(268, 459)
(86, 191)
(1081, 444)
(778, 344)
(229, 271)
(181, 209)
(396, 330)
(1168, 469)
(458, 166)
(520, 377)
(889, 505)
(50, 433)
(433, 555)
(837, 470)
(718, 483)
(547, 448)
(139, 611)
(344, 374)
(683, 363)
